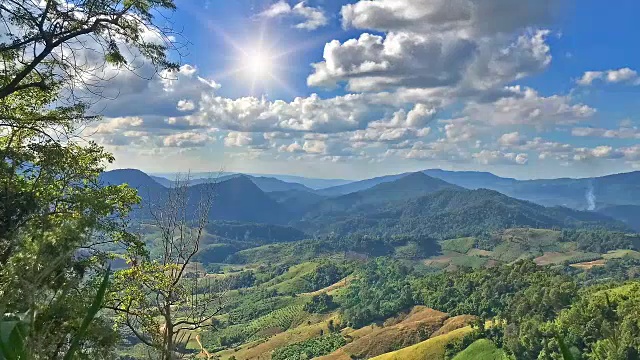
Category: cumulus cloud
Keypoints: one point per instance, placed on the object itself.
(303, 114)
(622, 75)
(169, 93)
(186, 140)
(391, 135)
(621, 133)
(599, 152)
(312, 17)
(246, 140)
(489, 157)
(185, 105)
(511, 139)
(110, 126)
(524, 106)
(470, 17)
(450, 48)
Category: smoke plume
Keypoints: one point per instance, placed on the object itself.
(591, 198)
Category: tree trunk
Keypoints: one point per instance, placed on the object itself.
(168, 333)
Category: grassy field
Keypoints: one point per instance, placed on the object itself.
(617, 254)
(482, 349)
(401, 332)
(292, 281)
(262, 349)
(433, 348)
(461, 245)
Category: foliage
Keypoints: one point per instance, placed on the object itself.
(58, 225)
(311, 348)
(604, 322)
(622, 269)
(320, 304)
(281, 319)
(598, 241)
(257, 234)
(449, 214)
(36, 33)
(326, 274)
(15, 329)
(381, 290)
(460, 245)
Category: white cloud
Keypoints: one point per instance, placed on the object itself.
(185, 105)
(599, 152)
(243, 139)
(110, 126)
(525, 106)
(291, 148)
(312, 17)
(460, 131)
(489, 157)
(277, 9)
(303, 114)
(621, 133)
(622, 75)
(443, 63)
(511, 139)
(469, 17)
(186, 140)
(382, 135)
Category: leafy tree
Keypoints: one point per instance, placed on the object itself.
(311, 348)
(50, 43)
(161, 300)
(58, 225)
(320, 304)
(380, 290)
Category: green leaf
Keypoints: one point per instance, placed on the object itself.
(91, 314)
(564, 350)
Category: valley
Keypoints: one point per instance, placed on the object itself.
(359, 275)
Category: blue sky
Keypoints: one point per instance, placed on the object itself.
(355, 89)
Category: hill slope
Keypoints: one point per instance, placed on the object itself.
(235, 199)
(358, 185)
(629, 214)
(616, 189)
(406, 187)
(482, 349)
(453, 213)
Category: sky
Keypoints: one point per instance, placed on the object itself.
(357, 89)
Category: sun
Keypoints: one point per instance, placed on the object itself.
(258, 65)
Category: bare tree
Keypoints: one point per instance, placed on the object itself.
(162, 301)
(52, 43)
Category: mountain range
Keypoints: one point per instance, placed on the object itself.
(431, 201)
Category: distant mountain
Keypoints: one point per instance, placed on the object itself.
(235, 199)
(583, 194)
(451, 213)
(162, 181)
(266, 184)
(406, 187)
(472, 179)
(135, 178)
(270, 184)
(239, 199)
(629, 214)
(311, 183)
(359, 185)
(296, 201)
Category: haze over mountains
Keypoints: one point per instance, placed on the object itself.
(248, 198)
